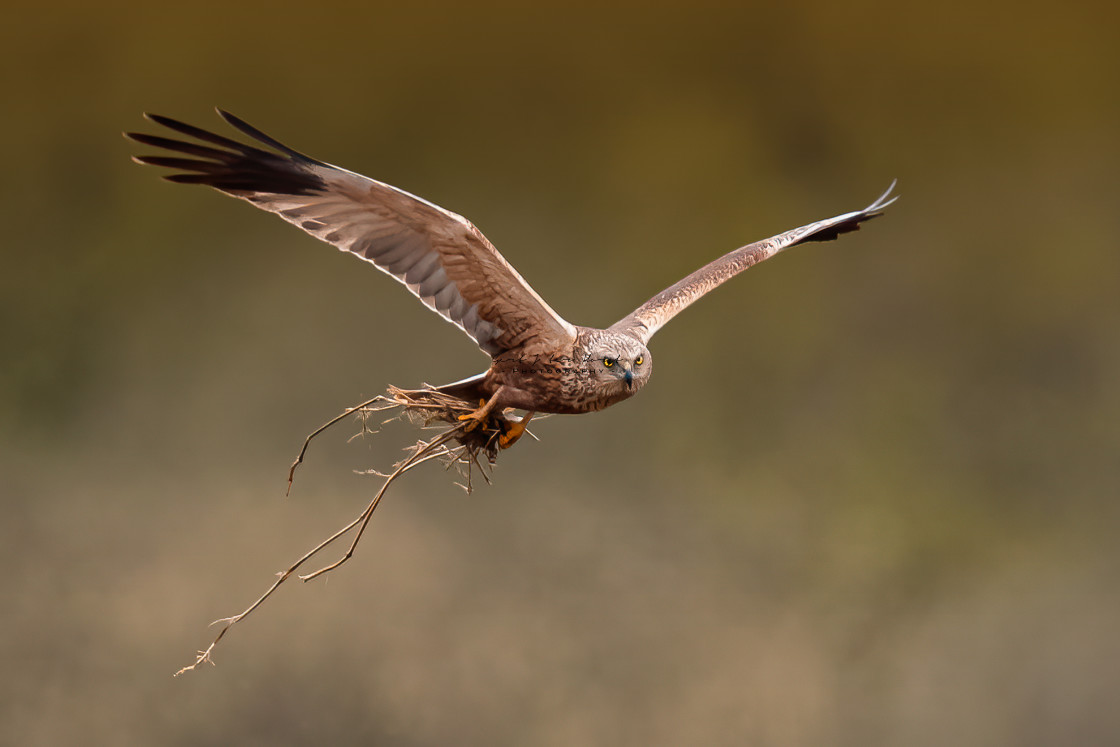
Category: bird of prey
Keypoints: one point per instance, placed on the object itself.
(540, 362)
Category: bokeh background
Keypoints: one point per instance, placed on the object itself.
(870, 496)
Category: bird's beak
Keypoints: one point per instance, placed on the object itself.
(629, 379)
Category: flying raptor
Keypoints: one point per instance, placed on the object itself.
(540, 362)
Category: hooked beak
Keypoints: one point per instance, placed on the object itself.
(629, 379)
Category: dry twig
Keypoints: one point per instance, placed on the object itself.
(459, 445)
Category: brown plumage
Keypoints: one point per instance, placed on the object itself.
(540, 362)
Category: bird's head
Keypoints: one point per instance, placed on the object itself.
(619, 362)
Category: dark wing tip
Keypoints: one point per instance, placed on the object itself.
(227, 164)
(851, 221)
(259, 136)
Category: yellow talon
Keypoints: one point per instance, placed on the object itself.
(478, 416)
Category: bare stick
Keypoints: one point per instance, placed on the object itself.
(423, 453)
(428, 451)
(428, 406)
(317, 431)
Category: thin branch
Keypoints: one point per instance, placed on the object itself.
(426, 406)
(419, 457)
(320, 429)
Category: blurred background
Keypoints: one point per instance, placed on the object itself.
(870, 496)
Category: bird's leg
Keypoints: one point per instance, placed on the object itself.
(485, 408)
(515, 431)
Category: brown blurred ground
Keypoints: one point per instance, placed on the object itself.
(870, 496)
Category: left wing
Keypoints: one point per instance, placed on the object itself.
(654, 313)
(439, 256)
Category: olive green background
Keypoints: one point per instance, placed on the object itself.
(869, 497)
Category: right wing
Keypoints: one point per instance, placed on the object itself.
(644, 321)
(440, 256)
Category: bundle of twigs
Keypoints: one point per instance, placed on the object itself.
(459, 443)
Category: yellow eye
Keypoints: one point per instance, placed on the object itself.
(638, 360)
(608, 362)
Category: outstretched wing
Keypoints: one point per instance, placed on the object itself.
(440, 256)
(654, 313)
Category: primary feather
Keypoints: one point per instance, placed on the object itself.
(438, 255)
